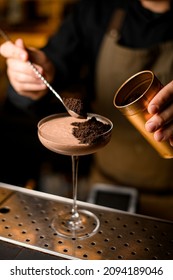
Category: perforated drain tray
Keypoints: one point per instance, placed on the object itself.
(25, 220)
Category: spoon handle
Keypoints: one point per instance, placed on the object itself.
(45, 81)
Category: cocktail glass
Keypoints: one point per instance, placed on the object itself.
(55, 133)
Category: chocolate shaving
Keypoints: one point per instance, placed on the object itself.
(76, 105)
(90, 131)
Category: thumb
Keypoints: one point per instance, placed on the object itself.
(20, 44)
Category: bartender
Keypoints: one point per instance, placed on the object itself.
(99, 45)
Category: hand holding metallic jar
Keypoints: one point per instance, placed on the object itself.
(161, 107)
(146, 104)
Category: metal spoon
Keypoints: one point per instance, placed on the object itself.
(71, 112)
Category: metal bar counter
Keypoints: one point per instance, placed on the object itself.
(26, 232)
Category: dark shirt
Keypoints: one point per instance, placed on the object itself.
(143, 28)
(76, 44)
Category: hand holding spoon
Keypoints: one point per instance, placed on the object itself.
(75, 111)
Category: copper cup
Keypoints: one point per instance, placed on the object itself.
(132, 99)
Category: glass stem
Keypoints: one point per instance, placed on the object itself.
(75, 214)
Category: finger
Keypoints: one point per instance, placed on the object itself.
(159, 120)
(26, 83)
(164, 134)
(30, 51)
(22, 67)
(29, 87)
(20, 43)
(10, 50)
(25, 80)
(161, 99)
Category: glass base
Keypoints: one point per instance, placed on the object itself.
(83, 226)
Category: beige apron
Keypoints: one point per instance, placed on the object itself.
(128, 159)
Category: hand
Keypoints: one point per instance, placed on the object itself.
(21, 75)
(161, 107)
